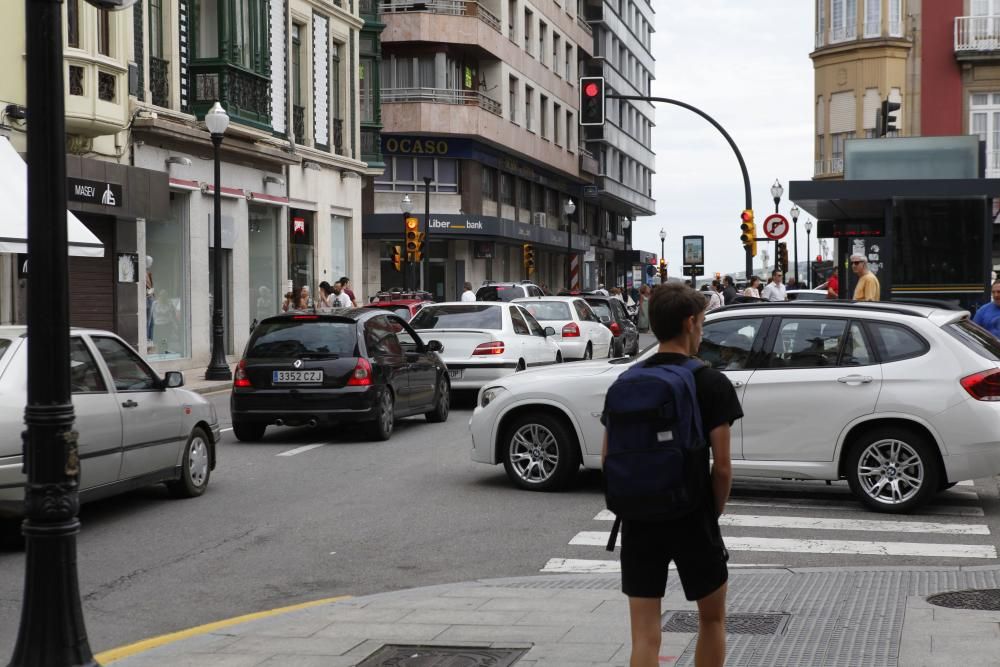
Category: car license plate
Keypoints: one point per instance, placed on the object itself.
(455, 375)
(280, 377)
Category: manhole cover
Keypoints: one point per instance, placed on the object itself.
(987, 599)
(736, 624)
(398, 655)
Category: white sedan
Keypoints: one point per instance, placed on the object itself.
(901, 400)
(580, 334)
(486, 340)
(135, 428)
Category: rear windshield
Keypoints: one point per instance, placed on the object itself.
(548, 310)
(977, 339)
(472, 316)
(402, 311)
(499, 293)
(602, 308)
(4, 344)
(295, 338)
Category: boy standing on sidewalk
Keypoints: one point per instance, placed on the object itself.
(693, 541)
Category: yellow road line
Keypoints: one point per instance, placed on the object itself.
(155, 642)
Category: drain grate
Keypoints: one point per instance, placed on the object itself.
(401, 655)
(736, 624)
(986, 599)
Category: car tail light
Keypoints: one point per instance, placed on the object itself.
(241, 379)
(305, 317)
(984, 386)
(615, 329)
(361, 376)
(495, 347)
(571, 330)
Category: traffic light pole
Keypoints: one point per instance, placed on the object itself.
(722, 130)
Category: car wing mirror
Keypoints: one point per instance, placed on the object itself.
(435, 346)
(173, 379)
(549, 331)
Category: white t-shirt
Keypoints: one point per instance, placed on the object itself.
(468, 295)
(774, 292)
(341, 300)
(714, 301)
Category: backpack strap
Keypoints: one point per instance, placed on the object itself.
(614, 533)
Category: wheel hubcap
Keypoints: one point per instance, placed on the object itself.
(534, 453)
(891, 472)
(198, 461)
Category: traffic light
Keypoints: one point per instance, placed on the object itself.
(529, 257)
(887, 118)
(412, 239)
(663, 270)
(783, 257)
(418, 254)
(397, 258)
(592, 100)
(749, 235)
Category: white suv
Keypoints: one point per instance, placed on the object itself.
(901, 400)
(491, 291)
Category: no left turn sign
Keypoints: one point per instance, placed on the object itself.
(775, 226)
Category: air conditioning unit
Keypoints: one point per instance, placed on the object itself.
(538, 219)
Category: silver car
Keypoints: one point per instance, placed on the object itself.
(135, 428)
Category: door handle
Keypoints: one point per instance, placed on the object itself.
(130, 404)
(737, 383)
(855, 379)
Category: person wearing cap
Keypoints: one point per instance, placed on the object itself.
(868, 288)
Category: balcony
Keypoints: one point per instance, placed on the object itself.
(159, 81)
(442, 96)
(831, 167)
(870, 30)
(371, 146)
(977, 37)
(245, 95)
(447, 7)
(588, 163)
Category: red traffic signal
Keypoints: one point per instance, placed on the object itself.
(592, 100)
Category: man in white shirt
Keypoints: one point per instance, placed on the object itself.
(340, 298)
(775, 290)
(468, 294)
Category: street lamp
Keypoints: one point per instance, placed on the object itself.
(776, 191)
(569, 208)
(795, 238)
(406, 206)
(51, 630)
(626, 223)
(217, 120)
(425, 246)
(663, 240)
(809, 273)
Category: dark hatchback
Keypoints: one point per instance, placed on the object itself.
(340, 365)
(612, 312)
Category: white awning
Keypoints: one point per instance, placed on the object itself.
(14, 219)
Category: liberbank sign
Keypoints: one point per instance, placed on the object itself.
(388, 225)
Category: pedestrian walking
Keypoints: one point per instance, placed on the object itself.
(647, 476)
(753, 289)
(775, 290)
(345, 285)
(832, 286)
(868, 288)
(642, 318)
(728, 290)
(988, 315)
(714, 297)
(468, 294)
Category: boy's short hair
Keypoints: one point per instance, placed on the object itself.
(670, 306)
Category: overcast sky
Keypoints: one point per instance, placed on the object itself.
(747, 65)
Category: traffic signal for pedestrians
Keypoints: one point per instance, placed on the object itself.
(592, 100)
(783, 256)
(397, 258)
(663, 270)
(749, 232)
(528, 251)
(412, 239)
(887, 118)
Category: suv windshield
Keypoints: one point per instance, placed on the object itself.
(471, 316)
(500, 293)
(975, 338)
(544, 311)
(297, 338)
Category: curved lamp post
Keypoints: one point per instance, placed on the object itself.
(569, 208)
(217, 121)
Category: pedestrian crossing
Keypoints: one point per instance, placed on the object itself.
(769, 522)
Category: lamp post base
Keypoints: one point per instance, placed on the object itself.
(218, 373)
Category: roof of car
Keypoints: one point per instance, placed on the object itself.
(914, 310)
(492, 304)
(567, 299)
(22, 330)
(356, 314)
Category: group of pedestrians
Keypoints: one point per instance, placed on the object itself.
(337, 295)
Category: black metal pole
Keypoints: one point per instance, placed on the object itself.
(218, 368)
(427, 234)
(569, 251)
(52, 630)
(795, 240)
(404, 258)
(663, 255)
(777, 201)
(809, 270)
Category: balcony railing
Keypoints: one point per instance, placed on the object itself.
(833, 166)
(977, 33)
(159, 81)
(843, 34)
(441, 96)
(368, 7)
(245, 95)
(450, 7)
(299, 123)
(371, 144)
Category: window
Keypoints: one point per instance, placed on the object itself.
(556, 44)
(569, 62)
(380, 337)
(489, 183)
(73, 23)
(297, 68)
(520, 326)
(528, 18)
(84, 375)
(104, 32)
(569, 130)
(548, 311)
(806, 343)
(533, 325)
(844, 14)
(977, 339)
(524, 194)
(511, 13)
(543, 33)
(584, 312)
(543, 112)
(471, 316)
(128, 371)
(556, 124)
(895, 18)
(529, 96)
(873, 18)
(984, 120)
(506, 189)
(855, 351)
(820, 22)
(405, 174)
(512, 84)
(155, 28)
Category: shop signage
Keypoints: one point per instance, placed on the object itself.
(446, 225)
(416, 146)
(298, 225)
(590, 255)
(95, 192)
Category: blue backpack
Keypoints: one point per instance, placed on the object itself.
(654, 468)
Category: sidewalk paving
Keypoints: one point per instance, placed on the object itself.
(853, 617)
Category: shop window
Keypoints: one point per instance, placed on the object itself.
(339, 243)
(489, 183)
(262, 245)
(301, 270)
(168, 313)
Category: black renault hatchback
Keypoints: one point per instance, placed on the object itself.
(334, 366)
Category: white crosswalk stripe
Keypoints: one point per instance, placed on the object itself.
(750, 510)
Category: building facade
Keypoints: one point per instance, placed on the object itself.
(138, 85)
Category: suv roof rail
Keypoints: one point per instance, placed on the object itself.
(876, 306)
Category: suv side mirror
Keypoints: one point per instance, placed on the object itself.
(435, 346)
(549, 331)
(173, 379)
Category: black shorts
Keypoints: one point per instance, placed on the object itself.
(694, 544)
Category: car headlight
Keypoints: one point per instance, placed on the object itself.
(488, 395)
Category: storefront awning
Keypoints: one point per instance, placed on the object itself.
(14, 221)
